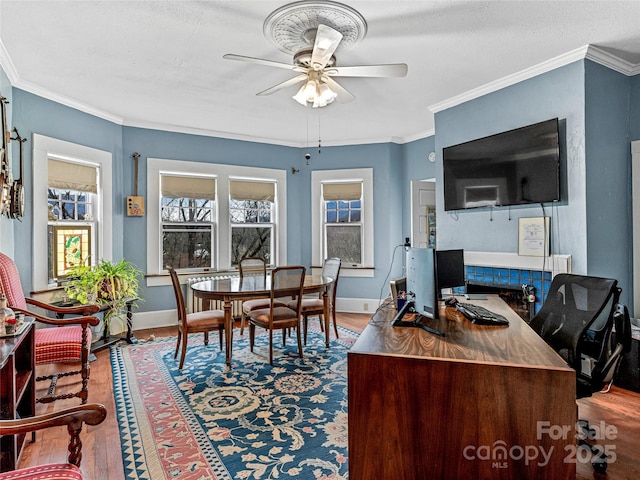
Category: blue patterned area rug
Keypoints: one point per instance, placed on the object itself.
(252, 421)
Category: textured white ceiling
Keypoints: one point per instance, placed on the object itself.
(159, 64)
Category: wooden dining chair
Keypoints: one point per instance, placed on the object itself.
(197, 322)
(312, 307)
(67, 341)
(286, 283)
(252, 266)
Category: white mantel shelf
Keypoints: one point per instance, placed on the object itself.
(553, 263)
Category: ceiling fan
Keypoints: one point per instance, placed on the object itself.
(317, 65)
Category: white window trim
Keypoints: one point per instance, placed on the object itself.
(43, 149)
(222, 173)
(364, 175)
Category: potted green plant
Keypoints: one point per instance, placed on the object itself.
(107, 283)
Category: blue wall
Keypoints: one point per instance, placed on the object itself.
(592, 221)
(416, 166)
(635, 107)
(559, 93)
(34, 114)
(608, 180)
(599, 112)
(6, 225)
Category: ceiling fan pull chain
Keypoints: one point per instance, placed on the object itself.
(319, 141)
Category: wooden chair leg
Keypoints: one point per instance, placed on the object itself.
(252, 333)
(335, 324)
(242, 322)
(304, 327)
(220, 334)
(299, 341)
(271, 346)
(184, 350)
(175, 354)
(206, 338)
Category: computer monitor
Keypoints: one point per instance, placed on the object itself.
(449, 269)
(421, 280)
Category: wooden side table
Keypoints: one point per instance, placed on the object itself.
(17, 389)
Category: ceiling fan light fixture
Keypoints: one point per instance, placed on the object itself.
(315, 92)
(300, 97)
(326, 93)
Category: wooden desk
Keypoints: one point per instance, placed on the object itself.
(466, 405)
(254, 286)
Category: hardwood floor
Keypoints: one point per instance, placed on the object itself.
(102, 458)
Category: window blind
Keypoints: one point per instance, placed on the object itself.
(246, 190)
(342, 191)
(173, 186)
(72, 176)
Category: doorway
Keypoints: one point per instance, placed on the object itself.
(423, 213)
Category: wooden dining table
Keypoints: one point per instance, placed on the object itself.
(228, 290)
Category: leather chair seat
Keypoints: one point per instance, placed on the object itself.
(309, 304)
(281, 314)
(205, 318)
(257, 304)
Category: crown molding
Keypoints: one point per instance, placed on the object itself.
(66, 101)
(17, 82)
(611, 61)
(589, 52)
(7, 64)
(418, 136)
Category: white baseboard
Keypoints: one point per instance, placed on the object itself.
(168, 318)
(155, 319)
(357, 305)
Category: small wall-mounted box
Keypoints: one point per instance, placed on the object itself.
(135, 206)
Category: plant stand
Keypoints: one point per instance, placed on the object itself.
(108, 340)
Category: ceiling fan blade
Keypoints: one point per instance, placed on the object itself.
(259, 61)
(327, 40)
(391, 70)
(287, 83)
(344, 96)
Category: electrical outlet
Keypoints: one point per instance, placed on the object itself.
(365, 307)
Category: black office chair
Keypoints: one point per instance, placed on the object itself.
(578, 318)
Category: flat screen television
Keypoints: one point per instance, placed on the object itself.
(449, 266)
(517, 167)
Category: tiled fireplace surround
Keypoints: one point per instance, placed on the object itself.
(509, 271)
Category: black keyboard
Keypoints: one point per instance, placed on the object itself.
(480, 315)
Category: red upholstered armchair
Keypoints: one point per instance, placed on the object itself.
(73, 418)
(69, 342)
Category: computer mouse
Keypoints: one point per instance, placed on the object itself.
(451, 302)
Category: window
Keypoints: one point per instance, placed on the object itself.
(72, 215)
(71, 194)
(187, 217)
(342, 221)
(251, 207)
(342, 211)
(242, 217)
